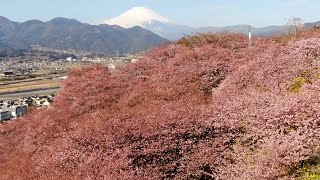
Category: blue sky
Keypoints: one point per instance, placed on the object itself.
(187, 12)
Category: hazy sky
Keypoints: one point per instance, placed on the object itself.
(188, 12)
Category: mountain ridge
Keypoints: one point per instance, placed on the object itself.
(64, 34)
(174, 31)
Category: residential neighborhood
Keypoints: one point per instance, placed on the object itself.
(10, 110)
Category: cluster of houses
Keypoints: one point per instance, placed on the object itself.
(14, 109)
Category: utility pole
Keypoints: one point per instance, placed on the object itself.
(250, 34)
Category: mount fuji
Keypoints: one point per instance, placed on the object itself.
(166, 28)
(150, 20)
(138, 16)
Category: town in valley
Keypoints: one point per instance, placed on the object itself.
(29, 79)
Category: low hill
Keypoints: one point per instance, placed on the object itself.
(65, 34)
(264, 31)
(207, 107)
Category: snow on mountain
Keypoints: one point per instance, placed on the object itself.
(138, 16)
(152, 21)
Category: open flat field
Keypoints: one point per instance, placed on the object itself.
(27, 87)
(46, 82)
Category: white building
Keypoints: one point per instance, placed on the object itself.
(111, 66)
(134, 60)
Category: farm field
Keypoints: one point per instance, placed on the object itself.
(46, 81)
(21, 88)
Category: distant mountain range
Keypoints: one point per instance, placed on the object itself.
(133, 31)
(65, 34)
(148, 19)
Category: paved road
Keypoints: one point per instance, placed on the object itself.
(23, 81)
(17, 95)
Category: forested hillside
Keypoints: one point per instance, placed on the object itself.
(207, 107)
(70, 34)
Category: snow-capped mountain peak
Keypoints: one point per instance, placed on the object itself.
(138, 16)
